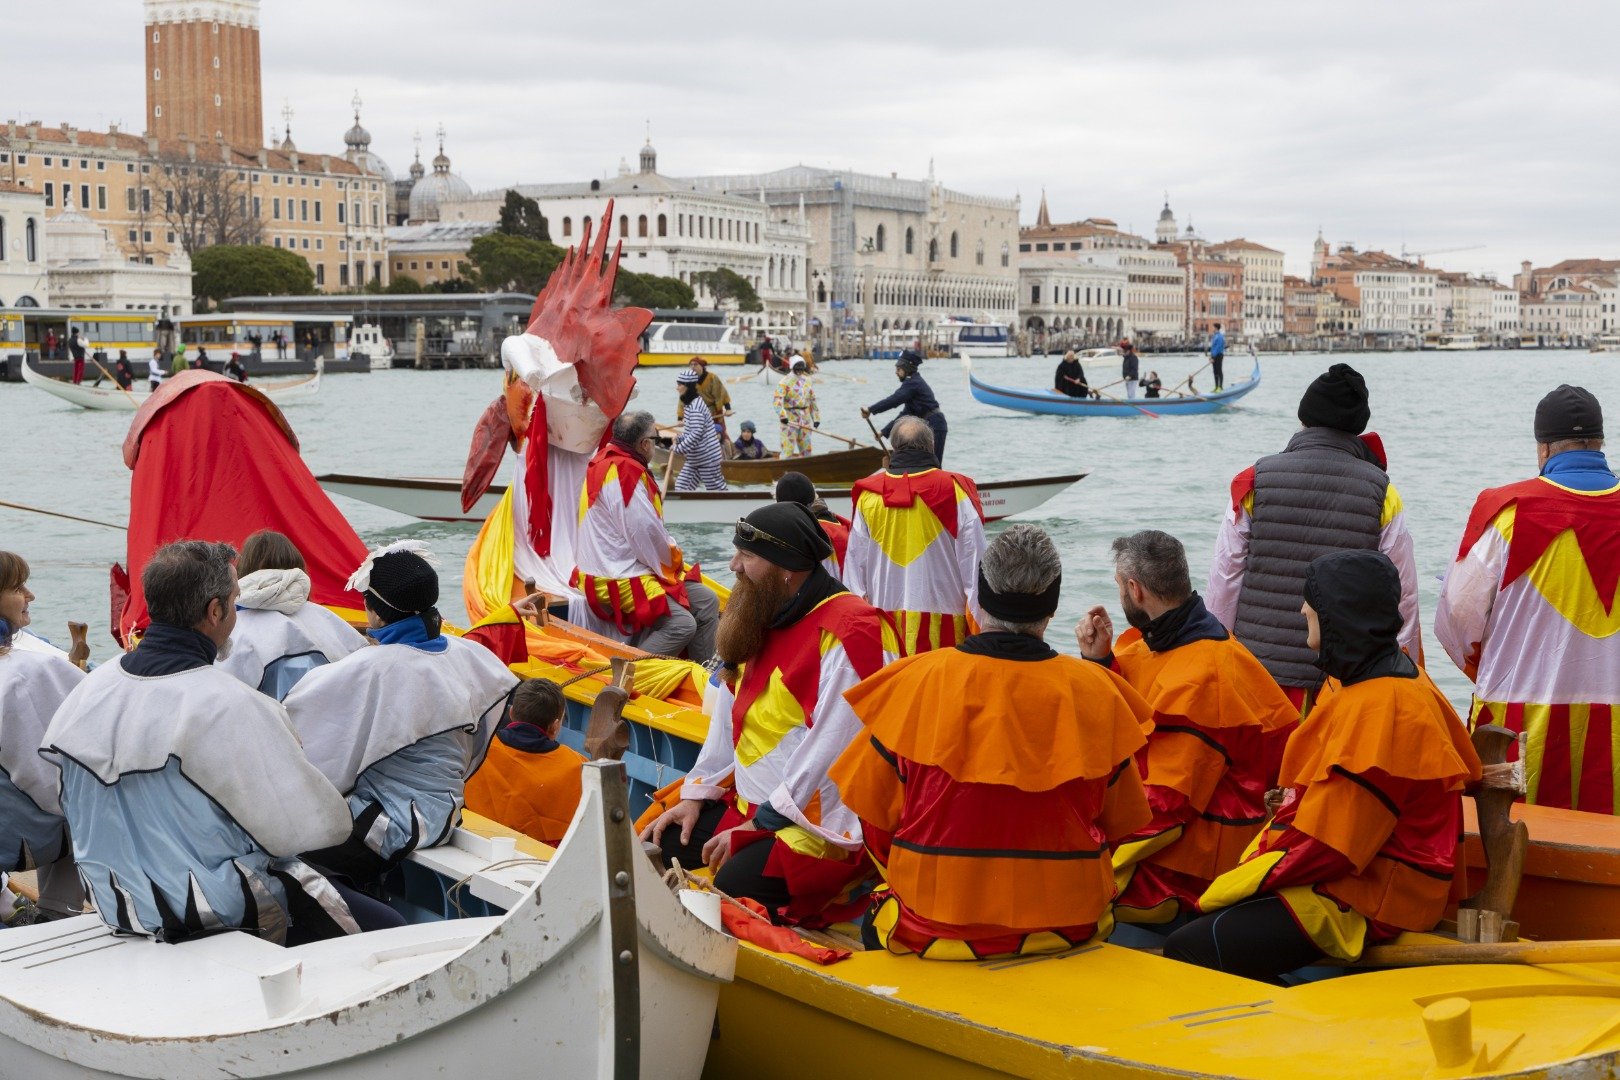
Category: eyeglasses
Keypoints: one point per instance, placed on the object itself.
(750, 532)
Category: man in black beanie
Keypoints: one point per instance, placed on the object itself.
(1527, 609)
(1326, 491)
(795, 487)
(758, 806)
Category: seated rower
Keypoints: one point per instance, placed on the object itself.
(1219, 725)
(634, 579)
(398, 728)
(1070, 377)
(1365, 843)
(796, 487)
(758, 806)
(280, 636)
(747, 446)
(34, 681)
(1152, 386)
(16, 596)
(992, 778)
(529, 781)
(210, 769)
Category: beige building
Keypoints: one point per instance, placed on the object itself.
(23, 281)
(1072, 301)
(1392, 296)
(433, 253)
(1262, 286)
(1567, 314)
(1155, 284)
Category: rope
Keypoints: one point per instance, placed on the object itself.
(507, 864)
(676, 878)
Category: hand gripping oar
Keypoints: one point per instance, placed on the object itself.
(875, 432)
(115, 382)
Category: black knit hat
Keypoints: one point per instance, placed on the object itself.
(1569, 412)
(1336, 399)
(795, 487)
(403, 583)
(784, 533)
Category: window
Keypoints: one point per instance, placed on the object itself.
(84, 196)
(31, 240)
(376, 209)
(1034, 294)
(878, 238)
(305, 243)
(360, 273)
(129, 198)
(624, 225)
(275, 209)
(216, 68)
(3, 239)
(341, 208)
(50, 193)
(978, 254)
(641, 225)
(933, 249)
(278, 241)
(101, 166)
(216, 101)
(413, 264)
(444, 264)
(909, 237)
(101, 196)
(318, 243)
(255, 206)
(1059, 246)
(953, 245)
(317, 210)
(47, 163)
(146, 236)
(320, 273)
(133, 236)
(343, 275)
(303, 209)
(663, 225)
(84, 164)
(157, 76)
(170, 237)
(568, 226)
(156, 37)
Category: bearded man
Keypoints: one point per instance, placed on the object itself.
(915, 542)
(1219, 726)
(758, 806)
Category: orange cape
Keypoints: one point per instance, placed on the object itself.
(1404, 727)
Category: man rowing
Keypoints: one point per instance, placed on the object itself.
(1326, 491)
(1365, 843)
(914, 398)
(758, 805)
(915, 539)
(1527, 610)
(992, 778)
(634, 578)
(699, 440)
(1219, 725)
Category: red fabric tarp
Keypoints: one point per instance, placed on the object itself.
(216, 460)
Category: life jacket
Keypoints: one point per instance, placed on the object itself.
(998, 807)
(535, 793)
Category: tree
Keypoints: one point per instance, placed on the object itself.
(726, 284)
(453, 285)
(522, 217)
(402, 283)
(652, 291)
(504, 263)
(225, 270)
(205, 203)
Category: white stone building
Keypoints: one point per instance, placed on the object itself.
(1262, 285)
(1155, 293)
(86, 269)
(1505, 311)
(23, 281)
(1394, 297)
(1072, 301)
(675, 228)
(1568, 314)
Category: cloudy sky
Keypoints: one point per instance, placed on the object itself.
(1431, 123)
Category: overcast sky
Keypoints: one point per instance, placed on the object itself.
(1433, 123)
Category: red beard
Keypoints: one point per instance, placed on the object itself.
(748, 616)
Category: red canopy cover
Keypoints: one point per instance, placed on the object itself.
(215, 460)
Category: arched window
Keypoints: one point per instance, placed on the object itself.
(1005, 253)
(2, 239)
(821, 292)
(585, 225)
(879, 238)
(641, 225)
(978, 254)
(953, 245)
(31, 240)
(909, 236)
(933, 250)
(624, 225)
(663, 225)
(568, 226)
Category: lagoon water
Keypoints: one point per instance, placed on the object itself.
(1452, 423)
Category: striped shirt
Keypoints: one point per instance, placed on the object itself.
(700, 445)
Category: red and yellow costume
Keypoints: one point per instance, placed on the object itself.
(1366, 844)
(913, 552)
(837, 535)
(1528, 612)
(534, 791)
(989, 791)
(626, 564)
(1219, 726)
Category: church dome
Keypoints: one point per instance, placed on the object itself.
(428, 193)
(358, 141)
(1165, 214)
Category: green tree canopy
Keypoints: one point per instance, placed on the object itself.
(652, 291)
(726, 284)
(225, 270)
(522, 217)
(402, 284)
(503, 263)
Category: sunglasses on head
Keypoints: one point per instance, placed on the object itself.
(751, 533)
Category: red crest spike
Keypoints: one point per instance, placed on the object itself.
(575, 313)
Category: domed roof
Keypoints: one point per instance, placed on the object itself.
(1165, 214)
(358, 140)
(428, 192)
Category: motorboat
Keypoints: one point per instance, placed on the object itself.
(1458, 342)
(113, 399)
(367, 340)
(677, 344)
(580, 962)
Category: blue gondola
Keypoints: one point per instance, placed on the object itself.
(1049, 402)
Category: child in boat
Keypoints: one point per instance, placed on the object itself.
(748, 447)
(1151, 385)
(1365, 842)
(529, 781)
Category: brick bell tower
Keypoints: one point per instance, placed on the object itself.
(202, 71)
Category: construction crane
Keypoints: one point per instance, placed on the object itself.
(1419, 256)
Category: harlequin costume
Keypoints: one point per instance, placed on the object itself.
(915, 539)
(1528, 612)
(991, 780)
(776, 731)
(1365, 844)
(1219, 725)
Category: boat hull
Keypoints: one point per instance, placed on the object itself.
(433, 499)
(682, 359)
(115, 400)
(840, 466)
(611, 976)
(1045, 402)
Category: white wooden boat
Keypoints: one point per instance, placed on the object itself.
(437, 499)
(112, 399)
(368, 341)
(585, 965)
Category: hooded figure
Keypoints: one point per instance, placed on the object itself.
(1365, 843)
(758, 805)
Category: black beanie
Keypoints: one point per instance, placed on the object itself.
(403, 583)
(1569, 412)
(786, 534)
(795, 487)
(1336, 399)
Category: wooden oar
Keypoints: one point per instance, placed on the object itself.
(669, 467)
(835, 375)
(1132, 404)
(57, 514)
(1188, 380)
(1601, 951)
(817, 431)
(115, 382)
(876, 433)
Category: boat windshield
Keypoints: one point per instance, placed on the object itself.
(688, 333)
(983, 334)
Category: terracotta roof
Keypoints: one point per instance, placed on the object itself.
(1582, 266)
(10, 188)
(1240, 244)
(208, 150)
